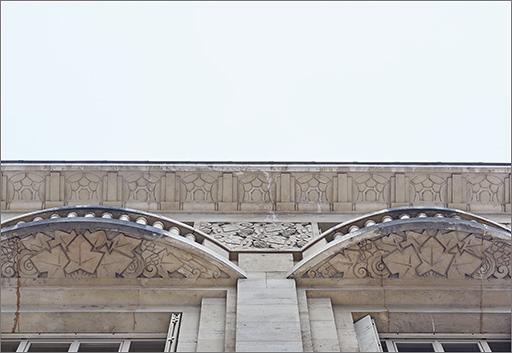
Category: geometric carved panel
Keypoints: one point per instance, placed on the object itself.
(99, 254)
(422, 253)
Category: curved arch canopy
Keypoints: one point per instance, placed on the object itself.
(83, 243)
(393, 245)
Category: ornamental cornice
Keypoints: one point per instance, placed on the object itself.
(256, 188)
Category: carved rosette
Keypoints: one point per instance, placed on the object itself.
(26, 187)
(371, 188)
(247, 235)
(420, 254)
(99, 254)
(484, 189)
(142, 187)
(83, 187)
(427, 188)
(199, 187)
(313, 188)
(257, 188)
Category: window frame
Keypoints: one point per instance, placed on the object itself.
(437, 344)
(76, 340)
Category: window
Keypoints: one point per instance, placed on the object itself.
(370, 340)
(9, 346)
(445, 345)
(101, 342)
(84, 345)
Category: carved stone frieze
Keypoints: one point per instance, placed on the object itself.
(99, 254)
(419, 254)
(246, 188)
(246, 235)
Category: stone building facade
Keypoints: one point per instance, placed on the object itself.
(255, 257)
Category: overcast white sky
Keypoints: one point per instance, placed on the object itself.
(256, 81)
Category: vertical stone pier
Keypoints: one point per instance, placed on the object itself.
(267, 306)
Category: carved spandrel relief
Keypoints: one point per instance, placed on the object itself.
(26, 187)
(427, 188)
(428, 253)
(142, 188)
(83, 187)
(371, 188)
(313, 188)
(199, 187)
(256, 188)
(484, 189)
(246, 235)
(99, 254)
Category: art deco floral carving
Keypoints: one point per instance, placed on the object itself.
(313, 188)
(104, 254)
(427, 188)
(83, 187)
(371, 188)
(199, 187)
(484, 189)
(256, 188)
(248, 235)
(26, 187)
(142, 188)
(420, 254)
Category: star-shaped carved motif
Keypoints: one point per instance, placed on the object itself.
(51, 262)
(403, 262)
(434, 258)
(81, 256)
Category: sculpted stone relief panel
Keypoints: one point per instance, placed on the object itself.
(246, 235)
(199, 187)
(484, 189)
(142, 187)
(420, 254)
(371, 188)
(83, 187)
(427, 188)
(99, 254)
(25, 187)
(313, 188)
(255, 190)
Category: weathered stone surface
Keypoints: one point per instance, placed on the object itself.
(269, 236)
